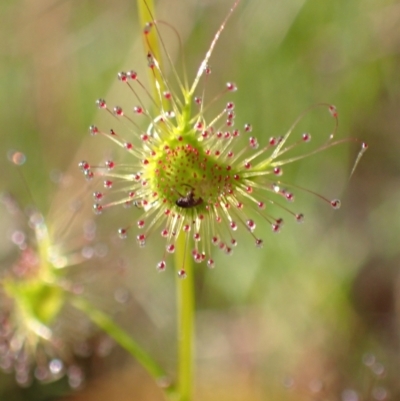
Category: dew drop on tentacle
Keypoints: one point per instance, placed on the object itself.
(300, 217)
(110, 164)
(97, 195)
(333, 111)
(230, 86)
(306, 137)
(248, 128)
(230, 106)
(147, 28)
(117, 110)
(161, 266)
(108, 184)
(336, 203)
(132, 75)
(182, 274)
(141, 239)
(150, 61)
(170, 248)
(101, 103)
(93, 130)
(210, 263)
(122, 233)
(253, 142)
(259, 243)
(276, 228)
(251, 225)
(197, 257)
(228, 250)
(84, 165)
(97, 208)
(88, 175)
(123, 76)
(289, 196)
(138, 110)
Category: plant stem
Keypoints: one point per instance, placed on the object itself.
(104, 322)
(185, 287)
(152, 44)
(185, 307)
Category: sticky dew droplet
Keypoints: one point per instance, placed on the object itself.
(141, 240)
(251, 225)
(170, 248)
(231, 87)
(97, 208)
(161, 266)
(93, 130)
(182, 274)
(122, 76)
(259, 243)
(118, 111)
(101, 103)
(122, 233)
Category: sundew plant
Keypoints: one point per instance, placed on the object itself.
(191, 170)
(192, 176)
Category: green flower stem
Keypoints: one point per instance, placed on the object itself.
(104, 322)
(147, 14)
(185, 306)
(185, 287)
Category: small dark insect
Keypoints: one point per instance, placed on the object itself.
(189, 200)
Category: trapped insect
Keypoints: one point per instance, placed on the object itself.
(189, 200)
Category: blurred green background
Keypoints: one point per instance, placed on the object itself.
(314, 315)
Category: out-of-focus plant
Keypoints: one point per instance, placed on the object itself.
(49, 265)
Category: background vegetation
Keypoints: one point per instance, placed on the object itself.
(315, 313)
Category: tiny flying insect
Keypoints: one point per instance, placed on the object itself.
(188, 201)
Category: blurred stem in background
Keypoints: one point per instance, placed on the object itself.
(124, 339)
